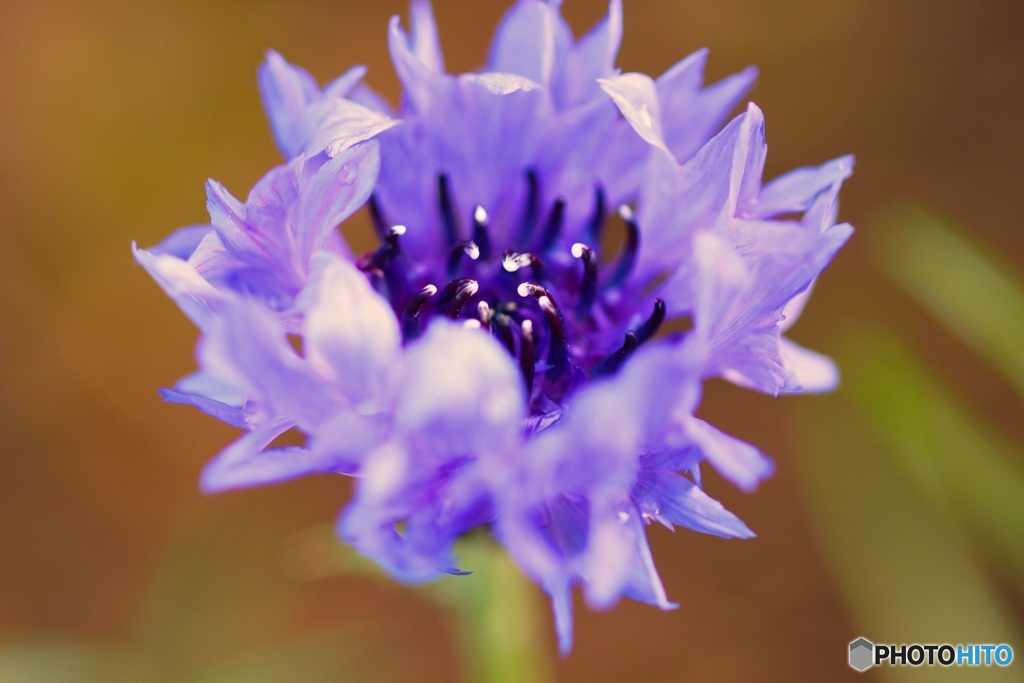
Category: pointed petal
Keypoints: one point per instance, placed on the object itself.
(808, 372)
(286, 91)
(739, 462)
(692, 113)
(182, 242)
(336, 125)
(590, 59)
(561, 601)
(334, 192)
(635, 96)
(425, 44)
(344, 83)
(200, 383)
(703, 193)
(419, 81)
(796, 190)
(530, 41)
(228, 215)
(672, 498)
(232, 415)
(196, 297)
(246, 463)
(245, 347)
(641, 581)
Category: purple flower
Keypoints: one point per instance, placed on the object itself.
(490, 365)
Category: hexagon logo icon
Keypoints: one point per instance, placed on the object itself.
(862, 654)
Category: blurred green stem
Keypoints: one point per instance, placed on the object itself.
(974, 294)
(502, 632)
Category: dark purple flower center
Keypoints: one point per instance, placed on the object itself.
(561, 312)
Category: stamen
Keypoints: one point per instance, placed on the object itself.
(651, 325)
(410, 316)
(595, 226)
(503, 325)
(588, 287)
(464, 248)
(387, 262)
(627, 256)
(480, 234)
(613, 362)
(380, 225)
(483, 313)
(394, 232)
(444, 201)
(455, 295)
(512, 261)
(558, 349)
(527, 356)
(553, 227)
(532, 207)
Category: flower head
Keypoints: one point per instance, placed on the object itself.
(496, 362)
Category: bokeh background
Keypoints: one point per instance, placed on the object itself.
(897, 511)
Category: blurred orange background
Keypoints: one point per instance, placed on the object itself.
(114, 567)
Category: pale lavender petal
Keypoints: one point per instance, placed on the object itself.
(721, 279)
(334, 192)
(246, 348)
(530, 41)
(286, 91)
(419, 81)
(703, 193)
(196, 297)
(246, 462)
(674, 500)
(638, 578)
(807, 371)
(425, 44)
(691, 112)
(228, 215)
(561, 600)
(200, 383)
(739, 462)
(232, 415)
(461, 392)
(343, 84)
(182, 242)
(593, 57)
(796, 190)
(635, 96)
(336, 125)
(351, 332)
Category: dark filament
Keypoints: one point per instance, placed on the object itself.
(447, 206)
(410, 316)
(627, 257)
